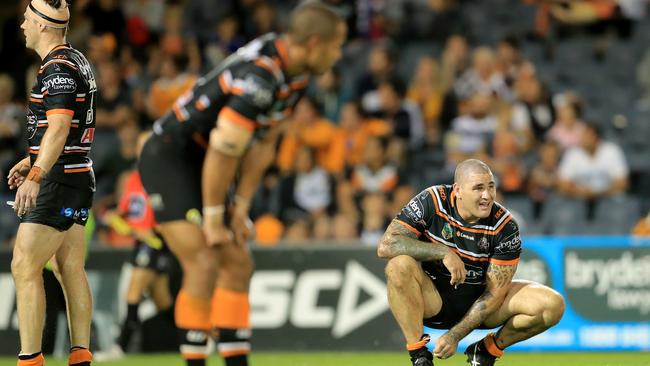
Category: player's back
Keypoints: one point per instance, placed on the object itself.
(249, 87)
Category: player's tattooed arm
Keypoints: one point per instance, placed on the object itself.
(499, 278)
(399, 240)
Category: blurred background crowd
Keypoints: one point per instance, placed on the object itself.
(553, 95)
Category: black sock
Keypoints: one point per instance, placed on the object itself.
(234, 345)
(130, 325)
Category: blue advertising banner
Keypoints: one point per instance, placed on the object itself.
(606, 284)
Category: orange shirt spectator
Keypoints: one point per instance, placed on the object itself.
(169, 86)
(308, 128)
(350, 138)
(642, 228)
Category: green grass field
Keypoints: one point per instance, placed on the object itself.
(383, 359)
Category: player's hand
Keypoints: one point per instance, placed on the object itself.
(17, 174)
(26, 197)
(456, 268)
(445, 346)
(242, 227)
(216, 233)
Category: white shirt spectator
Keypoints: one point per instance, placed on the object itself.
(312, 191)
(473, 134)
(595, 172)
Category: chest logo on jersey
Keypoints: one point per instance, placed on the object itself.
(464, 236)
(447, 232)
(483, 244)
(59, 84)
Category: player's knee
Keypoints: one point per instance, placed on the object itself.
(553, 308)
(401, 269)
(68, 269)
(24, 269)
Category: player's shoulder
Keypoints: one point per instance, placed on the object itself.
(63, 59)
(442, 193)
(503, 221)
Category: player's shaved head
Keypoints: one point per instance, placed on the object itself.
(313, 19)
(470, 166)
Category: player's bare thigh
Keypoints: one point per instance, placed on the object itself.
(404, 268)
(524, 297)
(35, 245)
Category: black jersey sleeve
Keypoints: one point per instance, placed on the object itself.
(60, 84)
(252, 93)
(507, 245)
(417, 215)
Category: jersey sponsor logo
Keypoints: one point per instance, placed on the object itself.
(447, 232)
(414, 210)
(59, 84)
(499, 213)
(464, 236)
(88, 136)
(511, 244)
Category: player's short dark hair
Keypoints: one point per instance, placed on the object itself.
(313, 19)
(470, 165)
(56, 3)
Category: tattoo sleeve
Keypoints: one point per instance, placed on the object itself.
(398, 240)
(498, 279)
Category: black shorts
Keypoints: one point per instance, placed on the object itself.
(145, 256)
(171, 175)
(60, 206)
(455, 303)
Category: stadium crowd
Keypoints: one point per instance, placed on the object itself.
(421, 88)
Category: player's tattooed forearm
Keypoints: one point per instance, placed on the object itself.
(398, 240)
(474, 317)
(501, 276)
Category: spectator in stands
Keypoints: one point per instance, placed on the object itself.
(107, 17)
(597, 168)
(114, 100)
(471, 133)
(403, 115)
(568, 129)
(350, 138)
(309, 128)
(12, 149)
(308, 192)
(374, 174)
(533, 113)
(509, 59)
(426, 91)
(11, 126)
(454, 62)
(172, 83)
(224, 41)
(331, 94)
(543, 180)
(506, 155)
(374, 221)
(344, 228)
(483, 77)
(381, 66)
